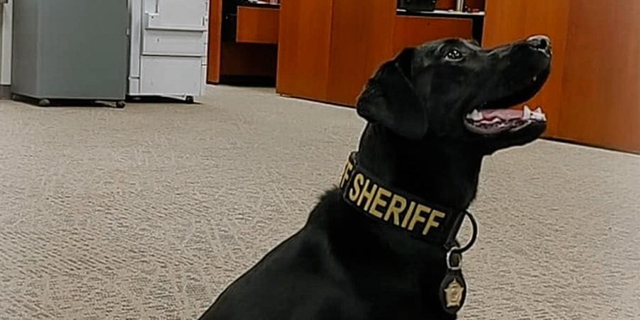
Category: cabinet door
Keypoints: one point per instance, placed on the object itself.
(361, 40)
(304, 43)
(173, 47)
(181, 14)
(601, 84)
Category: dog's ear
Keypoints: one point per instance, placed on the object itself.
(390, 99)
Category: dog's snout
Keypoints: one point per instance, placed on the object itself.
(540, 43)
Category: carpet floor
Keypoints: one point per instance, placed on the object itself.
(149, 212)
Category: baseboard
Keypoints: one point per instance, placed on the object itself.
(5, 92)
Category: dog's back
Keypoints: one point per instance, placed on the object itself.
(300, 278)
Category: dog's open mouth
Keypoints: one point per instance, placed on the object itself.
(493, 121)
(497, 116)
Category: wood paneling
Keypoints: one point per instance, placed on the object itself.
(508, 21)
(215, 34)
(413, 31)
(257, 25)
(601, 88)
(361, 39)
(330, 48)
(304, 45)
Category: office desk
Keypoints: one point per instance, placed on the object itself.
(242, 44)
(258, 24)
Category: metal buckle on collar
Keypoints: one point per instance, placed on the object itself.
(450, 264)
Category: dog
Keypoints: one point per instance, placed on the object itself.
(382, 244)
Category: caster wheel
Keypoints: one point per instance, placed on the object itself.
(120, 104)
(44, 102)
(189, 100)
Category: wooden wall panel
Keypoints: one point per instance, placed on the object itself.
(359, 34)
(601, 88)
(513, 20)
(304, 46)
(413, 31)
(257, 25)
(215, 35)
(361, 40)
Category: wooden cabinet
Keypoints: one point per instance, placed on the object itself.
(215, 43)
(361, 38)
(252, 54)
(304, 46)
(329, 48)
(257, 25)
(601, 86)
(593, 94)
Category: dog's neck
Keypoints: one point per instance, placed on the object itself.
(439, 171)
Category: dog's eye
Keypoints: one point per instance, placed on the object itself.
(454, 55)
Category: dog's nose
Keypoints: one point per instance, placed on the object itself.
(540, 43)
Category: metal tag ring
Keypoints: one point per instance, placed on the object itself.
(448, 258)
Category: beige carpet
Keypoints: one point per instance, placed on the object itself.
(149, 212)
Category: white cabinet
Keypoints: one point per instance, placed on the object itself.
(168, 53)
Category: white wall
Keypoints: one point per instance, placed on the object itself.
(5, 42)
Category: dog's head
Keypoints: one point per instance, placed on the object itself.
(452, 89)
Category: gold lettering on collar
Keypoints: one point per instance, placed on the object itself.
(378, 201)
(417, 216)
(367, 194)
(384, 204)
(354, 193)
(347, 173)
(432, 221)
(407, 215)
(395, 210)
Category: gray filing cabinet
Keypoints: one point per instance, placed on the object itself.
(70, 49)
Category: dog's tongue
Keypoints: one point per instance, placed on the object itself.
(504, 114)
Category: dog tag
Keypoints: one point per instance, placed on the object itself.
(453, 291)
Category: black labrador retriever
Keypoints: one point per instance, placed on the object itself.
(382, 245)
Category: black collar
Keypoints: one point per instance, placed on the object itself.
(427, 221)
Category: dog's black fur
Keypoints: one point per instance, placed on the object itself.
(343, 265)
